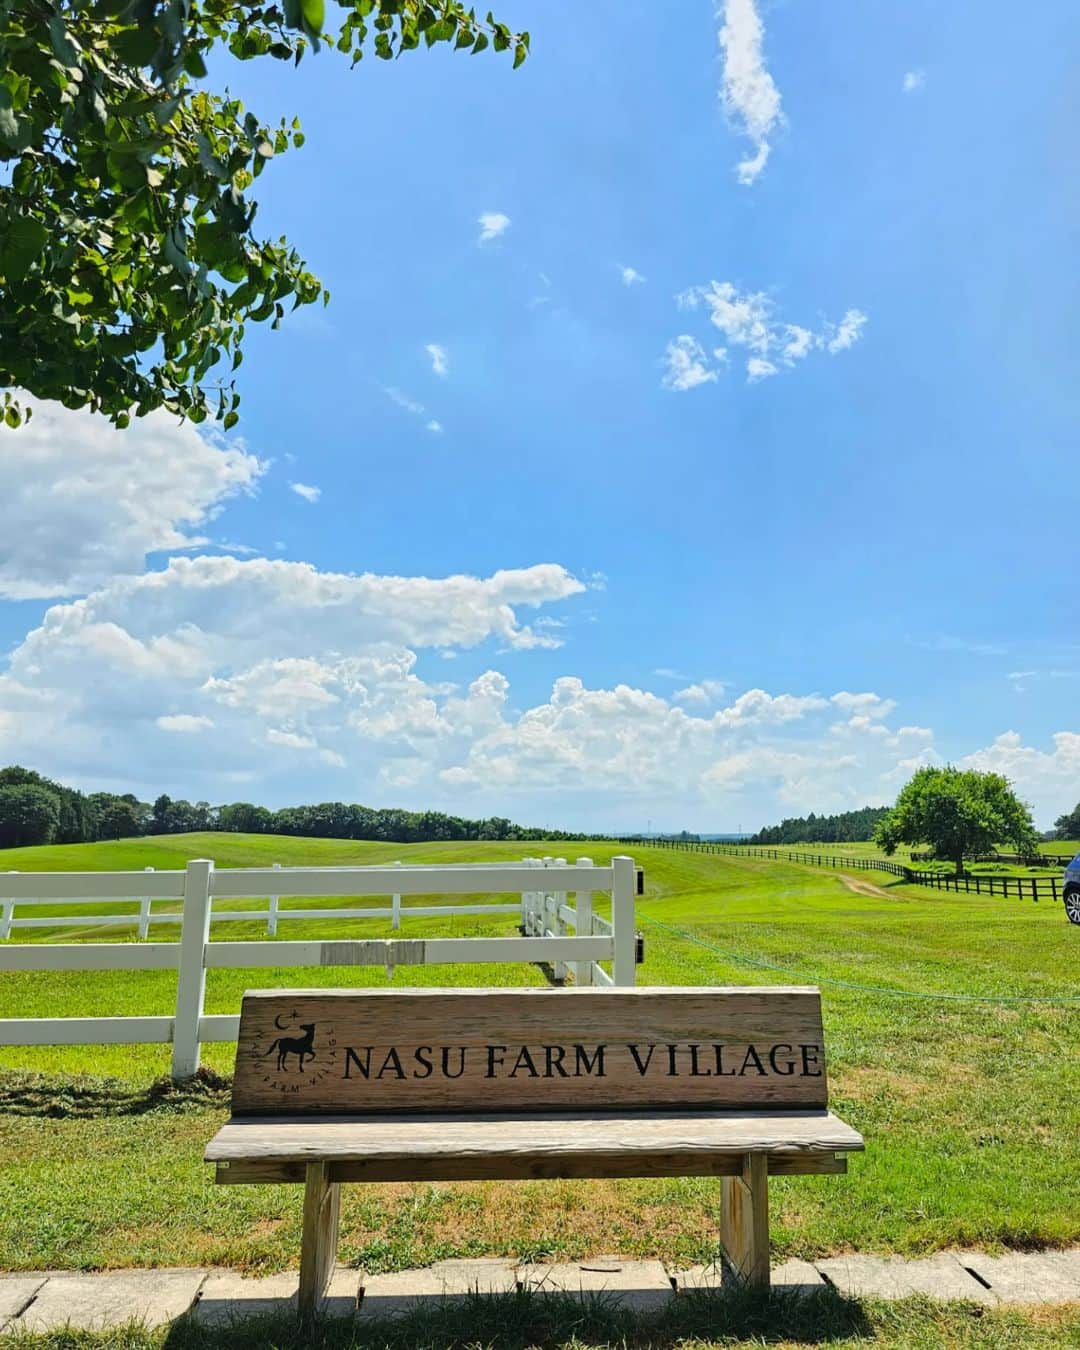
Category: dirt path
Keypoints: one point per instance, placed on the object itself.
(864, 888)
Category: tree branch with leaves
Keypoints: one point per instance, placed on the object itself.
(129, 262)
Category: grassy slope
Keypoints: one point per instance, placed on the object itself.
(971, 1109)
(903, 856)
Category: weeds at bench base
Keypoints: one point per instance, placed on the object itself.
(693, 1321)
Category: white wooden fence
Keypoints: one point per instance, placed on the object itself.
(545, 917)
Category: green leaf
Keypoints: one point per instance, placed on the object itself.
(314, 12)
(480, 43)
(231, 419)
(22, 246)
(520, 53)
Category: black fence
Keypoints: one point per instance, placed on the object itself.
(1022, 888)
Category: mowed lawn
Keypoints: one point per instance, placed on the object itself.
(953, 1026)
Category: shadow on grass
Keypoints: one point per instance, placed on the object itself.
(29, 1094)
(705, 1320)
(519, 1320)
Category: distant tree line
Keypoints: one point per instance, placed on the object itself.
(1068, 825)
(848, 827)
(36, 810)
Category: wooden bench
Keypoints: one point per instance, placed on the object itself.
(336, 1086)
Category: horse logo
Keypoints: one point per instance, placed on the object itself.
(303, 1047)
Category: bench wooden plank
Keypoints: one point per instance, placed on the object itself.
(412, 1139)
(446, 1050)
(555, 1167)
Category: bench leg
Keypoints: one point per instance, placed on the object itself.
(318, 1248)
(744, 1221)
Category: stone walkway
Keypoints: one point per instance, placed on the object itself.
(43, 1302)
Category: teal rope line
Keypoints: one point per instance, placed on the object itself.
(756, 963)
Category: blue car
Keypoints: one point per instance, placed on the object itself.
(1072, 890)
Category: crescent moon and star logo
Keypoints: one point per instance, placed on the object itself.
(300, 1057)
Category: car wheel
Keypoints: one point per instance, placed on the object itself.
(1072, 904)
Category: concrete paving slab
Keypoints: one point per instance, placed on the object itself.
(482, 1275)
(97, 1302)
(642, 1286)
(797, 1276)
(792, 1276)
(1029, 1277)
(939, 1276)
(16, 1291)
(403, 1291)
(226, 1297)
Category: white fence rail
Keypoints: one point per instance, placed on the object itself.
(546, 917)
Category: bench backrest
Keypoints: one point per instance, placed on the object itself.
(528, 1050)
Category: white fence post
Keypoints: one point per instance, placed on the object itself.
(144, 912)
(395, 917)
(623, 886)
(191, 984)
(558, 927)
(271, 918)
(7, 911)
(583, 927)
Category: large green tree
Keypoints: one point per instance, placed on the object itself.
(958, 813)
(129, 261)
(29, 814)
(1067, 826)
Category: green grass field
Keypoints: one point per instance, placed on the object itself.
(953, 1048)
(869, 849)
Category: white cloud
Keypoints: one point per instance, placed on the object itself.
(749, 322)
(305, 490)
(1048, 779)
(492, 225)
(298, 670)
(706, 691)
(290, 738)
(685, 362)
(914, 80)
(631, 276)
(750, 97)
(185, 723)
(411, 405)
(403, 400)
(83, 501)
(438, 358)
(848, 332)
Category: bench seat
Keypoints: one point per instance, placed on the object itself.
(507, 1147)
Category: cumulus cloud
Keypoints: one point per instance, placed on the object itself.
(434, 427)
(253, 648)
(492, 225)
(305, 490)
(685, 364)
(183, 723)
(631, 276)
(914, 80)
(83, 501)
(706, 691)
(750, 97)
(438, 358)
(749, 323)
(1047, 779)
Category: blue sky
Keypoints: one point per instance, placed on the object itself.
(768, 580)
